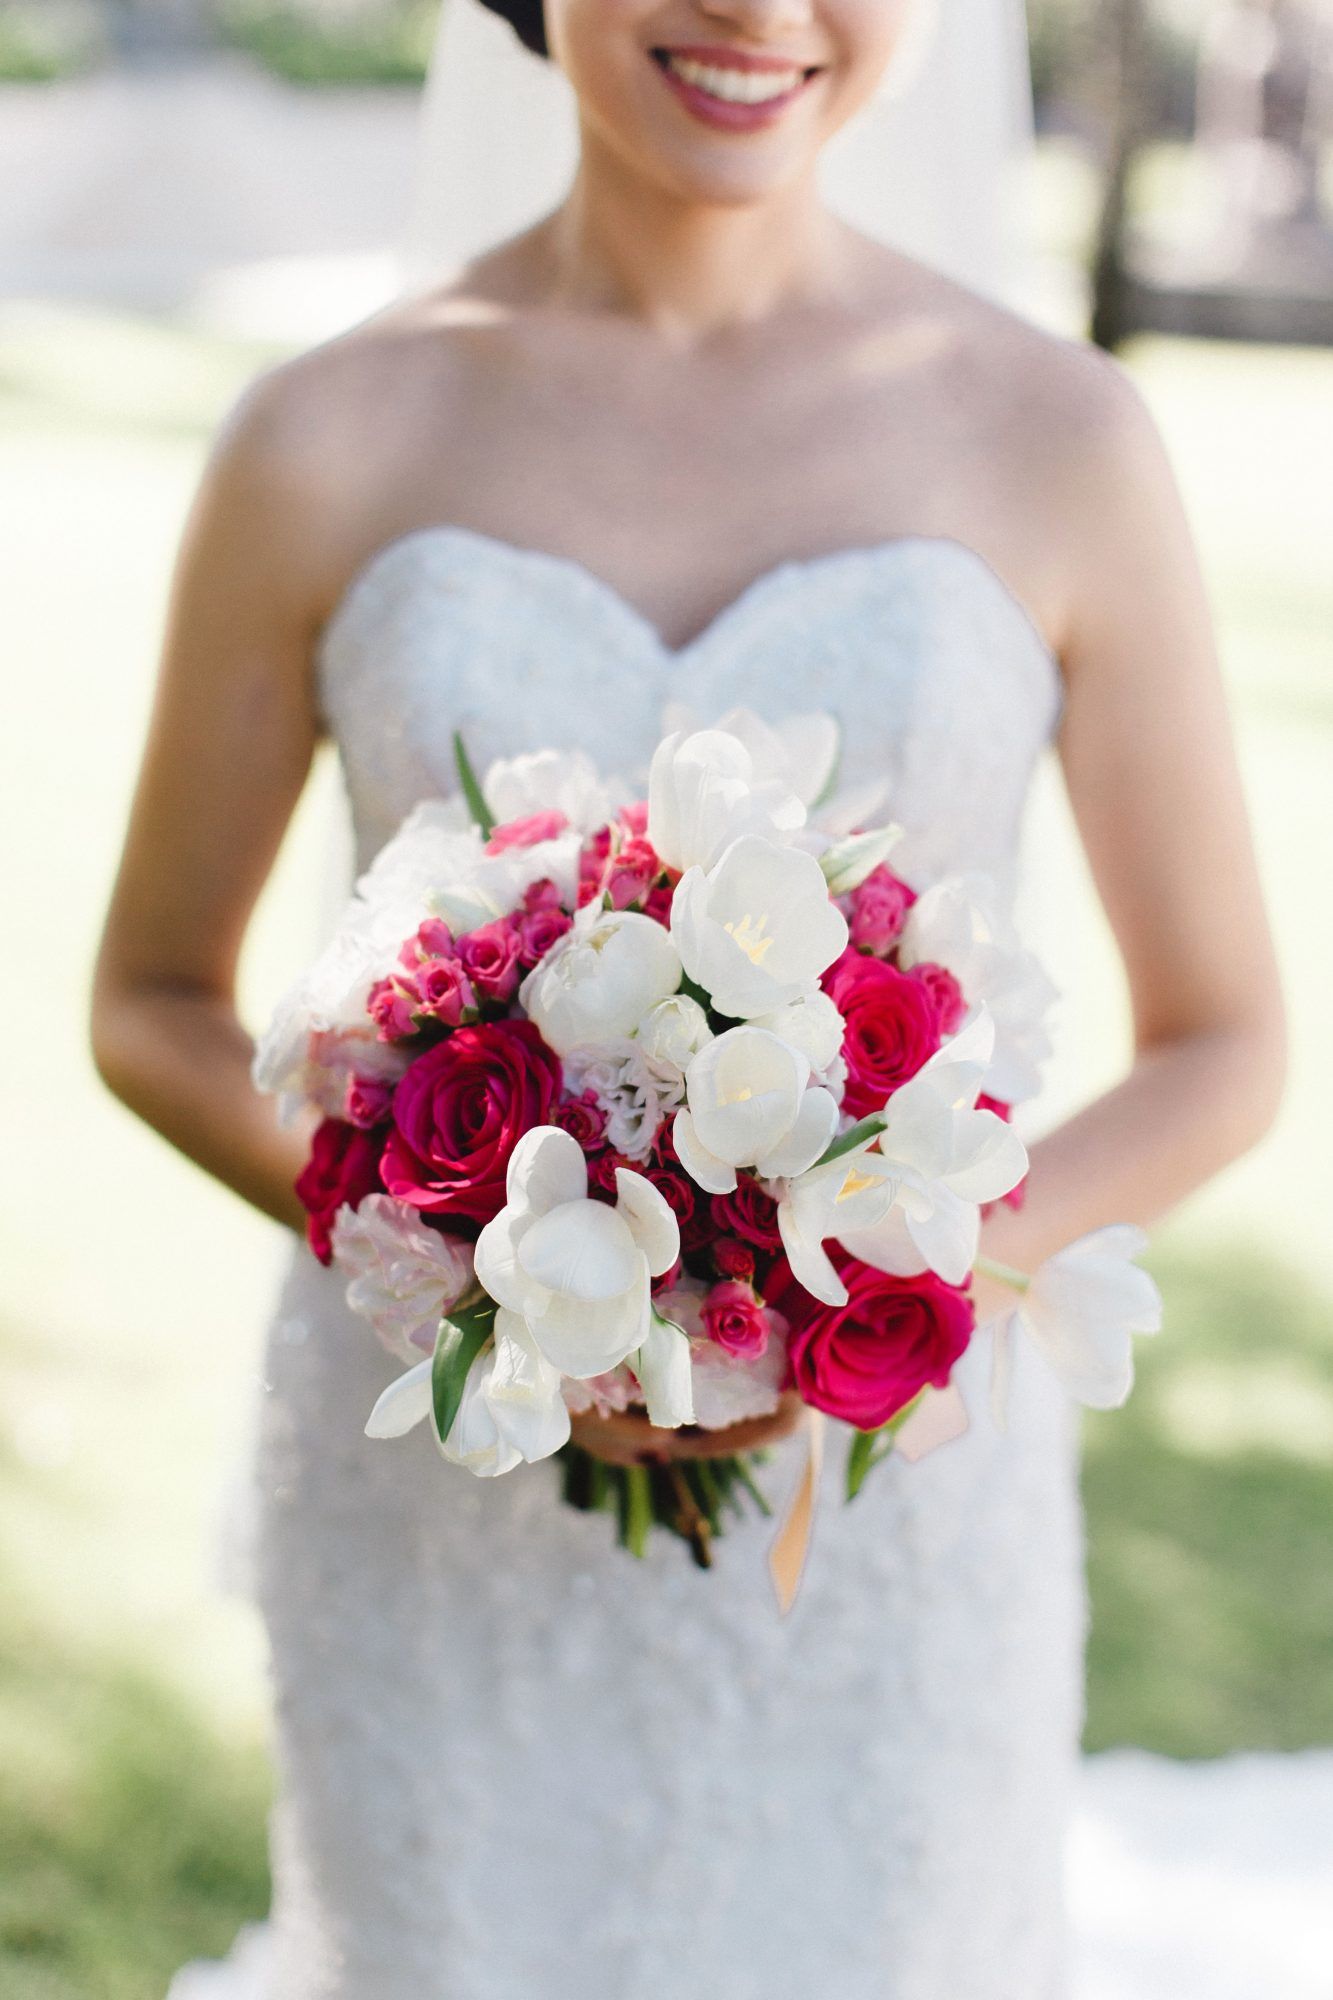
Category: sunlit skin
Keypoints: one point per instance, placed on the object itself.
(689, 372)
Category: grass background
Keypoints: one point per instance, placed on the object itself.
(131, 1693)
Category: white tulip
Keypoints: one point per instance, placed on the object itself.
(1080, 1309)
(758, 928)
(577, 1272)
(811, 1024)
(749, 1104)
(958, 924)
(662, 1364)
(599, 980)
(703, 792)
(511, 1409)
(945, 1159)
(403, 1276)
(848, 1193)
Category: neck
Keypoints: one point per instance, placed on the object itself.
(683, 267)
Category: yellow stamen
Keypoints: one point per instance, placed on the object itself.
(751, 934)
(854, 1183)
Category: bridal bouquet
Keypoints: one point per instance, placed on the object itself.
(681, 1105)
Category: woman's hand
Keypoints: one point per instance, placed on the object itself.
(625, 1437)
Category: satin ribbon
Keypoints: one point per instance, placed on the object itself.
(791, 1544)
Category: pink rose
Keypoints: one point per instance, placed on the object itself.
(392, 1005)
(526, 832)
(445, 989)
(542, 895)
(748, 1213)
(343, 1167)
(892, 1027)
(634, 817)
(631, 873)
(368, 1102)
(735, 1319)
(950, 1006)
(433, 939)
(879, 909)
(865, 1360)
(490, 957)
(459, 1111)
(538, 930)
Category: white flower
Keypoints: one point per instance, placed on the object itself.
(404, 1276)
(797, 754)
(511, 1410)
(703, 792)
(634, 1094)
(758, 928)
(848, 1193)
(727, 1388)
(811, 1024)
(749, 1103)
(576, 1271)
(1081, 1308)
(662, 1364)
(599, 980)
(957, 924)
(564, 781)
(945, 1159)
(674, 1031)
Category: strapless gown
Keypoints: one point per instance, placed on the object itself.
(513, 1763)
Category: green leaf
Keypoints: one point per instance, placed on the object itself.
(482, 818)
(457, 1345)
(871, 1448)
(864, 1128)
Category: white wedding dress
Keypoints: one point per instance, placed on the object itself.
(513, 1763)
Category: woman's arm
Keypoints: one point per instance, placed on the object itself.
(1151, 772)
(229, 747)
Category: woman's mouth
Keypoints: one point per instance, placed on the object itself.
(730, 90)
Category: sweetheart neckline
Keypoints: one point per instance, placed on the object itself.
(590, 583)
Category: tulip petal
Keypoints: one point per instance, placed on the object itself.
(585, 1339)
(582, 1250)
(403, 1404)
(662, 1365)
(524, 1392)
(496, 1260)
(809, 1137)
(948, 1235)
(546, 1169)
(810, 1263)
(712, 1174)
(886, 1245)
(650, 1219)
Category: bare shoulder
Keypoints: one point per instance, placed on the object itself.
(320, 447)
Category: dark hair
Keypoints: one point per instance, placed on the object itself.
(525, 18)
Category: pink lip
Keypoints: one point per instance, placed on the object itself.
(714, 110)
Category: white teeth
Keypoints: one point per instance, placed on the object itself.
(736, 86)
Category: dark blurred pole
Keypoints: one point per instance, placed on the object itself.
(1127, 69)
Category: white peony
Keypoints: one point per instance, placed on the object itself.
(673, 1032)
(758, 928)
(703, 792)
(563, 781)
(1080, 1309)
(404, 1276)
(749, 1103)
(600, 979)
(577, 1272)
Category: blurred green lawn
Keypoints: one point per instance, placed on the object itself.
(131, 1693)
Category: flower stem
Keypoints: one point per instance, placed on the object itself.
(989, 1267)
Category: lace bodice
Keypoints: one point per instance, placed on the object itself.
(939, 677)
(513, 1763)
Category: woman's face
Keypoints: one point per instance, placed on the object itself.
(722, 100)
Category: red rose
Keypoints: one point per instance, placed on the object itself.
(749, 1213)
(736, 1320)
(733, 1259)
(892, 1027)
(865, 1360)
(460, 1110)
(584, 1120)
(344, 1166)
